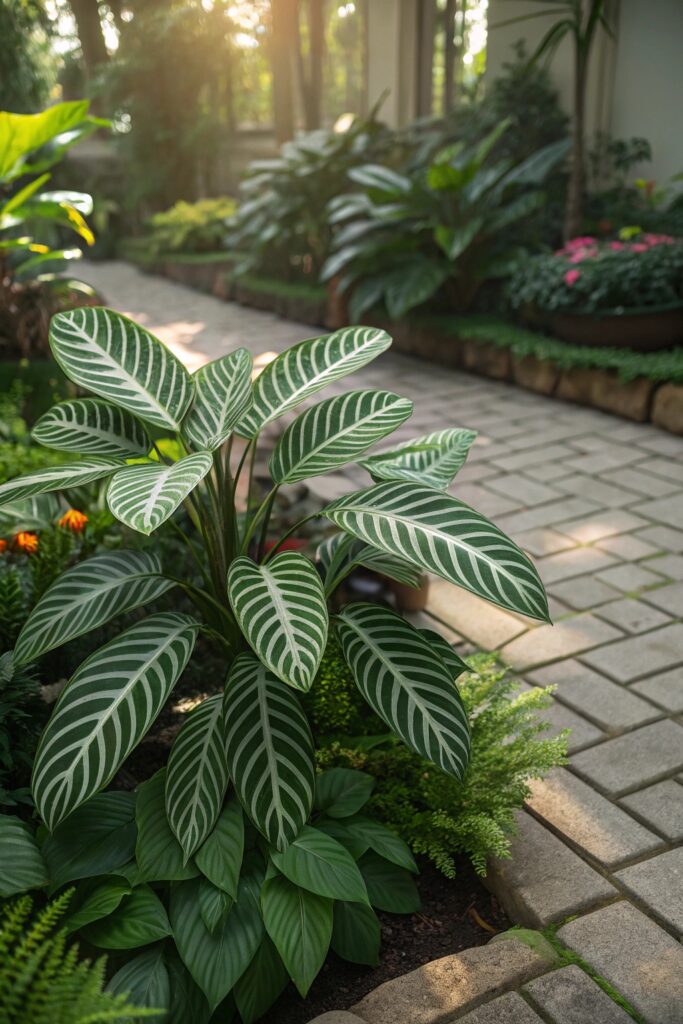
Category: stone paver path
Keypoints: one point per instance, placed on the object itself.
(598, 502)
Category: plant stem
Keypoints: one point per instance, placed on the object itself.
(186, 540)
(285, 536)
(264, 508)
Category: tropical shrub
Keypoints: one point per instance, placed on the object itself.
(438, 816)
(41, 979)
(234, 864)
(635, 272)
(447, 226)
(282, 227)
(190, 227)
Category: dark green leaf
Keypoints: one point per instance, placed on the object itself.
(389, 887)
(263, 981)
(300, 925)
(145, 980)
(220, 856)
(356, 934)
(138, 920)
(21, 863)
(318, 863)
(97, 898)
(341, 792)
(158, 852)
(98, 839)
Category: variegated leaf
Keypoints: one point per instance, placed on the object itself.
(30, 513)
(93, 427)
(433, 459)
(110, 355)
(305, 368)
(197, 775)
(222, 395)
(406, 684)
(105, 709)
(282, 612)
(146, 495)
(446, 537)
(58, 478)
(341, 554)
(269, 750)
(451, 659)
(335, 432)
(86, 596)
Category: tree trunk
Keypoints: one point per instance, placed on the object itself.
(450, 53)
(574, 208)
(87, 16)
(284, 20)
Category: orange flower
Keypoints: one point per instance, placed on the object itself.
(27, 542)
(3, 545)
(73, 520)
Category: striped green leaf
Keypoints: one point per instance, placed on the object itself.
(451, 659)
(308, 367)
(282, 612)
(92, 427)
(406, 684)
(222, 395)
(341, 554)
(145, 496)
(446, 537)
(317, 862)
(270, 751)
(88, 595)
(216, 960)
(433, 459)
(300, 924)
(219, 858)
(105, 710)
(158, 853)
(117, 359)
(58, 478)
(197, 775)
(335, 432)
(30, 514)
(21, 864)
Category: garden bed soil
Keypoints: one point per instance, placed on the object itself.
(456, 914)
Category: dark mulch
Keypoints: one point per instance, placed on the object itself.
(452, 918)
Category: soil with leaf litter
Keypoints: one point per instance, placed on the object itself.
(456, 914)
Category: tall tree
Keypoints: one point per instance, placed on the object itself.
(284, 44)
(89, 25)
(311, 63)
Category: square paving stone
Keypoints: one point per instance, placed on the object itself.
(547, 515)
(544, 880)
(552, 453)
(542, 541)
(610, 706)
(588, 820)
(586, 486)
(583, 592)
(668, 511)
(669, 599)
(661, 806)
(576, 562)
(641, 655)
(645, 483)
(632, 615)
(507, 1009)
(642, 961)
(667, 565)
(546, 472)
(658, 884)
(629, 577)
(570, 996)
(482, 623)
(599, 524)
(628, 546)
(634, 760)
(559, 718)
(563, 640)
(663, 538)
(665, 689)
(522, 490)
(670, 469)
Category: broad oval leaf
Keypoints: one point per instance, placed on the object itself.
(305, 368)
(197, 774)
(263, 981)
(356, 934)
(214, 904)
(317, 862)
(335, 432)
(105, 710)
(93, 427)
(117, 359)
(390, 888)
(340, 792)
(21, 864)
(281, 610)
(158, 853)
(269, 750)
(406, 684)
(58, 478)
(300, 924)
(222, 395)
(138, 920)
(446, 537)
(341, 554)
(97, 898)
(145, 496)
(98, 839)
(215, 960)
(86, 596)
(144, 980)
(433, 459)
(451, 659)
(30, 514)
(219, 858)
(382, 841)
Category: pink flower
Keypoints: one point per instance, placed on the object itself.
(579, 243)
(579, 255)
(616, 246)
(650, 239)
(639, 247)
(571, 277)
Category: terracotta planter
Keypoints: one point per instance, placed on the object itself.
(410, 599)
(643, 330)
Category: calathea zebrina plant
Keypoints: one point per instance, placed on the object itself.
(267, 864)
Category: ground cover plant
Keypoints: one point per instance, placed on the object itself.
(232, 870)
(199, 227)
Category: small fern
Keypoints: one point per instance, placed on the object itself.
(13, 608)
(41, 979)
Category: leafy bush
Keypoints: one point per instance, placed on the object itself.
(586, 275)
(242, 866)
(282, 226)
(449, 225)
(41, 979)
(190, 227)
(437, 815)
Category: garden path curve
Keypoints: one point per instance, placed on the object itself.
(598, 502)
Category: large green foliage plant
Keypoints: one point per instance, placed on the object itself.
(232, 868)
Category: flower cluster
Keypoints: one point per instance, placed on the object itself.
(637, 270)
(27, 543)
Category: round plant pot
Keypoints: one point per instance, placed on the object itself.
(410, 599)
(643, 330)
